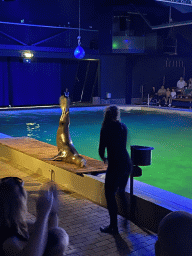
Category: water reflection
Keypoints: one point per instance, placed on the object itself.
(33, 130)
(37, 131)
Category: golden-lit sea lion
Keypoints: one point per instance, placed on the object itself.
(66, 149)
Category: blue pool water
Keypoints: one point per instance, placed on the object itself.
(169, 134)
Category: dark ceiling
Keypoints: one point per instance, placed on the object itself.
(156, 16)
(57, 12)
(155, 12)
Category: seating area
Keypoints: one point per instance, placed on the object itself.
(182, 100)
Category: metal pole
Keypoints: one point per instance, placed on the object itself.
(85, 82)
(170, 19)
(148, 100)
(131, 198)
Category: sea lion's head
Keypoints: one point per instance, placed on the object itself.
(64, 103)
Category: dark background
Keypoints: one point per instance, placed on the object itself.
(50, 30)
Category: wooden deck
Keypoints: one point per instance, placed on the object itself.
(43, 151)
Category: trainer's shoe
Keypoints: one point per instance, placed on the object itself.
(109, 230)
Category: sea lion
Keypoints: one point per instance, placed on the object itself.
(66, 149)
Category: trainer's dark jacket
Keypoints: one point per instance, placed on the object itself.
(113, 137)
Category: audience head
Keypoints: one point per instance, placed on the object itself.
(175, 235)
(162, 87)
(173, 90)
(181, 78)
(112, 113)
(168, 89)
(13, 204)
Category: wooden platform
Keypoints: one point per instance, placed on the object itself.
(43, 151)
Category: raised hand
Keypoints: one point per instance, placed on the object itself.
(44, 202)
(55, 204)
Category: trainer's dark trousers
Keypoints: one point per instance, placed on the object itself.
(113, 181)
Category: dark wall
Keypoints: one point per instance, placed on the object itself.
(42, 81)
(37, 83)
(68, 74)
(114, 76)
(129, 78)
(105, 19)
(4, 95)
(147, 72)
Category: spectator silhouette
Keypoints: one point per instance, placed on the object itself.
(161, 94)
(19, 237)
(175, 235)
(152, 95)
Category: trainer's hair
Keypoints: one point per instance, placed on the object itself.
(112, 113)
(13, 206)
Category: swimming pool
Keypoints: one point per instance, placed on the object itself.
(169, 134)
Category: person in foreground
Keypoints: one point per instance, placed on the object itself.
(113, 137)
(175, 235)
(19, 238)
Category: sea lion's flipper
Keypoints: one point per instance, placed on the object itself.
(56, 158)
(72, 159)
(83, 162)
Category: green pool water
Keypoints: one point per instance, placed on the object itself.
(169, 134)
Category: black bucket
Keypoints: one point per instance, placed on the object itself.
(141, 155)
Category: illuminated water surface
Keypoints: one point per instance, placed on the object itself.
(169, 134)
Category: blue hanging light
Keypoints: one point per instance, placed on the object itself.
(79, 52)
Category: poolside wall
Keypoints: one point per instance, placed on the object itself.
(81, 184)
(147, 214)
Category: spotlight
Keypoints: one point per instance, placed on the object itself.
(27, 56)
